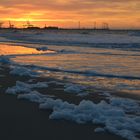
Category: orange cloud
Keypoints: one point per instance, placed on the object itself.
(66, 13)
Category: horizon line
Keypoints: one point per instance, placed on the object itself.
(69, 28)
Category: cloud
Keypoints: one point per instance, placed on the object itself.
(70, 9)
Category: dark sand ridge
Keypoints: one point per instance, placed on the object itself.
(21, 119)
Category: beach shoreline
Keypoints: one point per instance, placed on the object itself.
(45, 105)
(21, 119)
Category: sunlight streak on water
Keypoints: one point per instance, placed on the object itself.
(18, 50)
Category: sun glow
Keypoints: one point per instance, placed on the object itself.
(67, 13)
(20, 50)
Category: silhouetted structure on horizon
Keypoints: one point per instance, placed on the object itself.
(28, 25)
(105, 26)
(79, 25)
(11, 26)
(95, 24)
(1, 24)
(102, 27)
(51, 27)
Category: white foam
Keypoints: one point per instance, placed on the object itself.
(39, 85)
(56, 104)
(22, 71)
(22, 87)
(4, 59)
(55, 82)
(115, 119)
(76, 89)
(120, 116)
(128, 105)
(19, 88)
(114, 116)
(34, 96)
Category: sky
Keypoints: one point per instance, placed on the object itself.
(67, 13)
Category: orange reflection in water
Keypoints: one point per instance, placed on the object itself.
(18, 50)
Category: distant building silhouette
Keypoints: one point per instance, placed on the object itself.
(51, 27)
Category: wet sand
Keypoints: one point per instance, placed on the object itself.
(21, 119)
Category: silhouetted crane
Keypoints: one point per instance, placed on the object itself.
(11, 25)
(95, 24)
(105, 26)
(1, 23)
(28, 25)
(45, 26)
(79, 25)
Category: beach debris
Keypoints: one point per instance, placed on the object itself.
(42, 48)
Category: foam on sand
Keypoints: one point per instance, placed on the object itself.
(34, 96)
(4, 59)
(119, 116)
(115, 119)
(22, 87)
(22, 71)
(76, 89)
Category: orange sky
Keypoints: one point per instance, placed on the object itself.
(67, 13)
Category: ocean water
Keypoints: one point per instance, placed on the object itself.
(110, 69)
(103, 60)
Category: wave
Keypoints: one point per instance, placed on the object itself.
(131, 46)
(85, 73)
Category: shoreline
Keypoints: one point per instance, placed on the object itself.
(34, 110)
(21, 119)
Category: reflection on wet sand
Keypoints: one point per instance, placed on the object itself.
(109, 71)
(17, 50)
(119, 72)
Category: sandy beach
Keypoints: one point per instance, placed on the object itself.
(21, 119)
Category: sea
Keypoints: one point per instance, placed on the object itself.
(112, 63)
